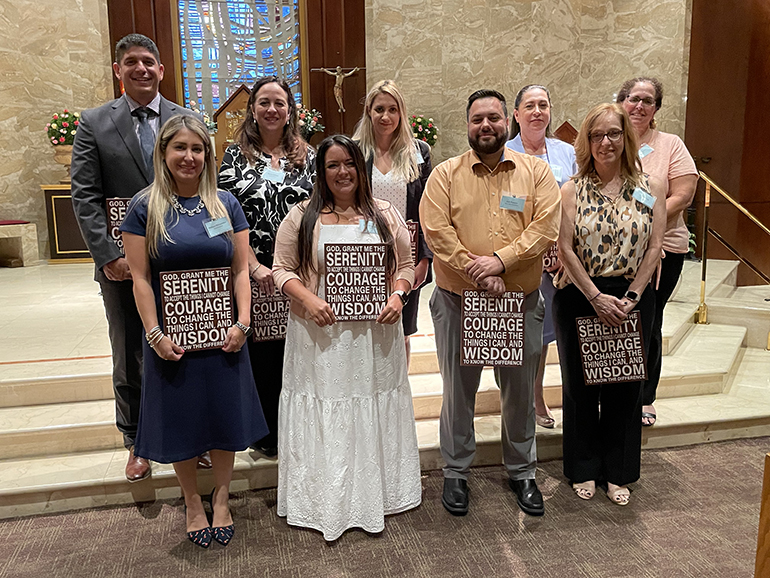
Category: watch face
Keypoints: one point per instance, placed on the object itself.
(632, 295)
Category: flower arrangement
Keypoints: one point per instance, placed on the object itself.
(210, 124)
(62, 128)
(309, 122)
(424, 129)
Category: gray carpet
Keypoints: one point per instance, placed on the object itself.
(693, 514)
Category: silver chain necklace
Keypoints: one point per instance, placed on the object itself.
(189, 212)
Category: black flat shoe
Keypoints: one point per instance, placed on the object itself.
(528, 497)
(269, 452)
(223, 534)
(200, 538)
(455, 496)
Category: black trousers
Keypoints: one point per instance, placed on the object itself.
(267, 365)
(126, 335)
(606, 444)
(671, 269)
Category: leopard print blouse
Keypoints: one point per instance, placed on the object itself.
(610, 236)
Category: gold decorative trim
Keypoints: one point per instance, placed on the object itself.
(55, 229)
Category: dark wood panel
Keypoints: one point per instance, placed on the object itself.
(337, 37)
(153, 18)
(755, 184)
(64, 237)
(718, 75)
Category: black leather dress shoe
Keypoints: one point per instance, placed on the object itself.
(455, 496)
(528, 497)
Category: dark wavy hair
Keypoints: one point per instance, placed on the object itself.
(322, 201)
(249, 139)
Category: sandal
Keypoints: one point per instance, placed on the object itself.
(585, 490)
(619, 495)
(545, 421)
(651, 417)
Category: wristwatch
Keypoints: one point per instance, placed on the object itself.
(632, 295)
(402, 295)
(247, 331)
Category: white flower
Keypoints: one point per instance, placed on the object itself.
(73, 132)
(415, 134)
(430, 120)
(63, 131)
(54, 125)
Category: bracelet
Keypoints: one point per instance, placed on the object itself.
(152, 333)
(254, 270)
(595, 296)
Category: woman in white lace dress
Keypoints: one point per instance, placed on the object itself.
(346, 433)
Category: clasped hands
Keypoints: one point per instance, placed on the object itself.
(485, 272)
(170, 351)
(611, 310)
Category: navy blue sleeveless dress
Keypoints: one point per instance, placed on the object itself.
(207, 400)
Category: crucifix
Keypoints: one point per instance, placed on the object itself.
(339, 78)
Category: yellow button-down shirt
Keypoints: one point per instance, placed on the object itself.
(461, 212)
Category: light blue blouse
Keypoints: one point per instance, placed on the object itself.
(558, 154)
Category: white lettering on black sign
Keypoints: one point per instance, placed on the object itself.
(612, 354)
(269, 314)
(492, 329)
(355, 283)
(116, 212)
(197, 307)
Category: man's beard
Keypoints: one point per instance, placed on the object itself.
(488, 147)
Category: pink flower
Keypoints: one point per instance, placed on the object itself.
(430, 125)
(76, 123)
(414, 123)
(65, 110)
(315, 119)
(419, 128)
(302, 115)
(65, 124)
(61, 139)
(56, 117)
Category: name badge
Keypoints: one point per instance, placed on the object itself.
(644, 150)
(644, 197)
(418, 157)
(513, 203)
(556, 169)
(273, 175)
(367, 226)
(215, 227)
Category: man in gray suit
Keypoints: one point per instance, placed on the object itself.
(112, 157)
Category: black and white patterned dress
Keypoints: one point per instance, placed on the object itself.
(265, 202)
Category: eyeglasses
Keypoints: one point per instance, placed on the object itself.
(646, 101)
(613, 135)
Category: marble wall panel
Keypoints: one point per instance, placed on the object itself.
(54, 54)
(440, 52)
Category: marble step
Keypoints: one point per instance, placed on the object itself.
(701, 365)
(70, 482)
(747, 306)
(720, 275)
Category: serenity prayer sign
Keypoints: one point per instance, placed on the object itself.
(492, 329)
(269, 314)
(612, 354)
(197, 307)
(116, 212)
(355, 282)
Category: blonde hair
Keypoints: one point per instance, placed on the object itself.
(630, 165)
(160, 194)
(403, 146)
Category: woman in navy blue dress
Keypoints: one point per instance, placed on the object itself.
(192, 401)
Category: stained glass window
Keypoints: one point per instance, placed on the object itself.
(226, 44)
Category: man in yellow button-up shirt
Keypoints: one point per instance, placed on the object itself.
(488, 216)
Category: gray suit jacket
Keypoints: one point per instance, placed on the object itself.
(106, 163)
